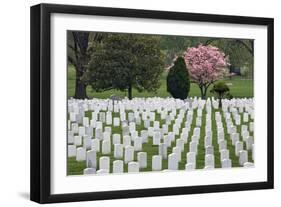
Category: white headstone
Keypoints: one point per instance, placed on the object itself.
(77, 140)
(142, 159)
(99, 125)
(89, 171)
(171, 136)
(118, 166)
(224, 154)
(251, 126)
(243, 157)
(191, 157)
(96, 145)
(126, 130)
(98, 133)
(156, 138)
(176, 129)
(87, 142)
(134, 134)
(116, 121)
(91, 159)
(209, 150)
(85, 121)
(106, 147)
(162, 150)
(93, 123)
(234, 138)
(193, 146)
(165, 128)
(104, 163)
(118, 151)
(245, 117)
(226, 163)
(70, 137)
(177, 151)
(195, 138)
(108, 129)
(173, 161)
(167, 141)
(156, 124)
(180, 144)
(81, 131)
(116, 138)
(222, 145)
(207, 141)
(80, 154)
(126, 140)
(106, 136)
(71, 150)
(189, 166)
(249, 143)
(244, 128)
(133, 167)
(144, 136)
(146, 123)
(238, 147)
(131, 117)
(196, 131)
(245, 135)
(108, 118)
(138, 144)
(89, 131)
(129, 154)
(132, 126)
(156, 163)
(209, 160)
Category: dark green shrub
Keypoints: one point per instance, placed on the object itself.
(221, 90)
(178, 83)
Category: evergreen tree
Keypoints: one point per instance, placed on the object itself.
(178, 83)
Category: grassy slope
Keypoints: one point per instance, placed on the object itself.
(76, 168)
(238, 88)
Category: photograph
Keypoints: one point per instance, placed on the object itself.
(144, 103)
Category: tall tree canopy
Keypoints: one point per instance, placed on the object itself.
(206, 64)
(176, 45)
(124, 62)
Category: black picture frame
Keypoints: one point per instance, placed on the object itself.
(41, 102)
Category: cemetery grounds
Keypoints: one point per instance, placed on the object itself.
(222, 125)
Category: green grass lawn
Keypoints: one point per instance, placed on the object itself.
(239, 88)
(76, 168)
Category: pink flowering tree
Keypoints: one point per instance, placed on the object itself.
(206, 64)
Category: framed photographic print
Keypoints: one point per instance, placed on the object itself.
(133, 103)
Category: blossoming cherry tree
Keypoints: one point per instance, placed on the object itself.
(206, 64)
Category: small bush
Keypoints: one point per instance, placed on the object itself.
(221, 90)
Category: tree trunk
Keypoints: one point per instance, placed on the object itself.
(204, 93)
(81, 40)
(80, 87)
(220, 104)
(130, 92)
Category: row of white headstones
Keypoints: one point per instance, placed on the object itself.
(87, 137)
